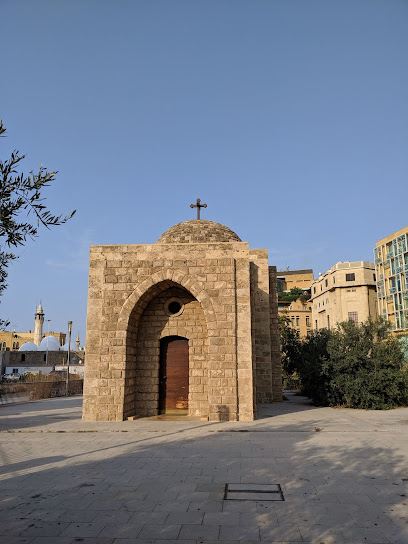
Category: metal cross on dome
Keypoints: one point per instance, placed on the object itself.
(198, 206)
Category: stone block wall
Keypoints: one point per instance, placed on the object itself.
(156, 324)
(124, 279)
(261, 324)
(275, 338)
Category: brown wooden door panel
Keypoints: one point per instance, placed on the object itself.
(174, 382)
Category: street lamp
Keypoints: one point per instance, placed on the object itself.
(46, 356)
(69, 353)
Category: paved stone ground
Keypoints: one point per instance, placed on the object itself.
(344, 476)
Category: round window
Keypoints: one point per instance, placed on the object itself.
(174, 307)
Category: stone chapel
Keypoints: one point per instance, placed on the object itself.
(188, 325)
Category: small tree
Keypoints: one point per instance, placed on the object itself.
(369, 366)
(290, 351)
(359, 366)
(291, 295)
(314, 367)
(22, 209)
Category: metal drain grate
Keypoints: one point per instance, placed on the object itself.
(253, 492)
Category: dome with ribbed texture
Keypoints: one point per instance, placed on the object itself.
(198, 231)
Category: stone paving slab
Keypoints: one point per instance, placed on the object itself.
(343, 473)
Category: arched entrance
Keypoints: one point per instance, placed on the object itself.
(171, 313)
(174, 375)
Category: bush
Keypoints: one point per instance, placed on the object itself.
(358, 366)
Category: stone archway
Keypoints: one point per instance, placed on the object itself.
(147, 324)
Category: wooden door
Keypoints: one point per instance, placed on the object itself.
(173, 393)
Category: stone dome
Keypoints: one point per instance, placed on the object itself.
(198, 231)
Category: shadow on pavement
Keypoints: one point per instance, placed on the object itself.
(166, 481)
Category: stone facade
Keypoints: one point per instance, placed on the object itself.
(229, 316)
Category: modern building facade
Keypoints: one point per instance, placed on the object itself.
(391, 262)
(346, 291)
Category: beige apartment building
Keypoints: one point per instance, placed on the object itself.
(346, 291)
(300, 315)
(391, 261)
(299, 312)
(287, 279)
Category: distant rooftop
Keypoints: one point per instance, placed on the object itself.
(289, 272)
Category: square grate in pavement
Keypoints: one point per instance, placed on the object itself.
(253, 492)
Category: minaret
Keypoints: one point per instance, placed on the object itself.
(77, 342)
(38, 327)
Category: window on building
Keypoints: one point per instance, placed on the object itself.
(328, 322)
(15, 370)
(307, 321)
(350, 277)
(17, 345)
(4, 345)
(297, 321)
(334, 279)
(45, 357)
(327, 283)
(314, 289)
(316, 324)
(374, 278)
(23, 357)
(353, 316)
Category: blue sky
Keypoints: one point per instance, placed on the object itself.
(288, 118)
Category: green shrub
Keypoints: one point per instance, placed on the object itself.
(358, 366)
